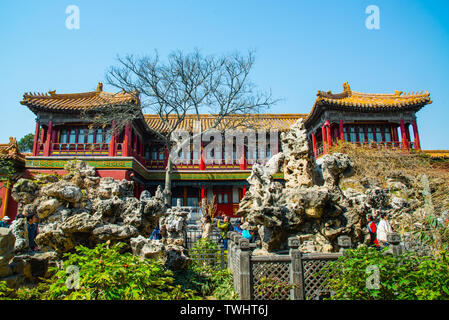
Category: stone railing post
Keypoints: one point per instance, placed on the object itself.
(344, 242)
(231, 249)
(394, 239)
(244, 272)
(296, 272)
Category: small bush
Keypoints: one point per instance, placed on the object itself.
(205, 276)
(403, 277)
(107, 274)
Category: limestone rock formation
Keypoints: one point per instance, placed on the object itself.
(81, 208)
(303, 208)
(173, 256)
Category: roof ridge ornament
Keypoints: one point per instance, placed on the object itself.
(100, 87)
(347, 89)
(398, 93)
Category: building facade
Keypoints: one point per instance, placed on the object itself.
(64, 132)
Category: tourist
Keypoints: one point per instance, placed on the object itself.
(383, 228)
(5, 222)
(206, 226)
(224, 228)
(247, 234)
(372, 231)
(156, 234)
(238, 226)
(32, 231)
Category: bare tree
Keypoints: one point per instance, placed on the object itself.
(187, 84)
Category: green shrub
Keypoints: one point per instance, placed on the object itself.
(206, 255)
(403, 277)
(5, 292)
(205, 276)
(108, 274)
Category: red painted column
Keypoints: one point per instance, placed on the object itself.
(404, 142)
(243, 163)
(48, 141)
(126, 141)
(244, 190)
(323, 135)
(395, 136)
(36, 139)
(203, 192)
(202, 163)
(407, 134)
(314, 143)
(112, 143)
(342, 132)
(328, 131)
(416, 135)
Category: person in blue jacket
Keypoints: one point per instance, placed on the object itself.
(237, 227)
(5, 222)
(156, 234)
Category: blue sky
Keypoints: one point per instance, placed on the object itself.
(301, 47)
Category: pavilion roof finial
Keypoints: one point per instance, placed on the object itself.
(100, 87)
(347, 88)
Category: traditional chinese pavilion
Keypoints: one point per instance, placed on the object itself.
(10, 157)
(62, 133)
(365, 118)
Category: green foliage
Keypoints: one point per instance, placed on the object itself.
(109, 274)
(26, 143)
(273, 288)
(223, 285)
(434, 232)
(205, 276)
(5, 292)
(205, 254)
(7, 169)
(402, 277)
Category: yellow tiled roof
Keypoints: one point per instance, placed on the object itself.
(281, 122)
(11, 150)
(437, 153)
(52, 101)
(368, 102)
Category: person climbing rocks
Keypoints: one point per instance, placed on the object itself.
(372, 229)
(5, 222)
(156, 234)
(33, 231)
(383, 228)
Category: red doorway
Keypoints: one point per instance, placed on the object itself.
(223, 199)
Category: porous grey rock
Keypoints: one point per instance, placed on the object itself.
(173, 256)
(81, 208)
(301, 208)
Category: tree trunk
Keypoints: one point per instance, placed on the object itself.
(167, 189)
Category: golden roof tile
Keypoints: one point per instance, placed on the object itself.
(373, 100)
(368, 102)
(73, 102)
(281, 122)
(11, 151)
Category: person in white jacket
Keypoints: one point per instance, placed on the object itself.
(383, 228)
